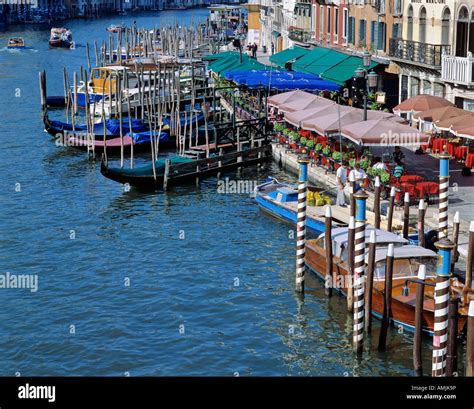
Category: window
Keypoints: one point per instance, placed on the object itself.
(336, 24)
(345, 24)
(329, 22)
(381, 36)
(396, 30)
(321, 22)
(362, 41)
(351, 31)
(410, 23)
(445, 26)
(422, 38)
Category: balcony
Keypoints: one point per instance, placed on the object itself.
(424, 54)
(299, 35)
(379, 6)
(458, 70)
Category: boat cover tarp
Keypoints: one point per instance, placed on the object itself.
(147, 170)
(143, 137)
(281, 80)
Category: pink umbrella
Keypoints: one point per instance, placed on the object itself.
(304, 102)
(383, 132)
(277, 100)
(330, 123)
(454, 123)
(421, 103)
(295, 118)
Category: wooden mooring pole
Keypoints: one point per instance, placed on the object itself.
(387, 305)
(350, 263)
(421, 223)
(303, 161)
(452, 353)
(370, 282)
(406, 215)
(377, 202)
(391, 205)
(417, 337)
(328, 248)
(470, 341)
(455, 255)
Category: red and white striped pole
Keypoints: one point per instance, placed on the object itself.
(303, 161)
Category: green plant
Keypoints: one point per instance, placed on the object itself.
(352, 163)
(364, 164)
(310, 144)
(293, 135)
(303, 141)
(318, 147)
(384, 176)
(279, 127)
(337, 156)
(326, 150)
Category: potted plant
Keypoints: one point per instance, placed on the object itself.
(318, 148)
(303, 141)
(310, 144)
(326, 151)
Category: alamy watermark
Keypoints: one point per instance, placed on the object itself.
(400, 138)
(19, 281)
(240, 187)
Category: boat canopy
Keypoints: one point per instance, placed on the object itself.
(339, 236)
(409, 251)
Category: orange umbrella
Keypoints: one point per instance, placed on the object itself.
(439, 114)
(383, 132)
(421, 103)
(462, 121)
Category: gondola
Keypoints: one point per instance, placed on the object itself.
(142, 176)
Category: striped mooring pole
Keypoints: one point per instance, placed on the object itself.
(443, 195)
(440, 337)
(359, 264)
(303, 161)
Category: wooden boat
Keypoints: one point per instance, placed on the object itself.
(140, 142)
(61, 38)
(16, 43)
(116, 28)
(59, 129)
(407, 259)
(142, 176)
(281, 201)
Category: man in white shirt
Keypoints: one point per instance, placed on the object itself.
(341, 179)
(358, 174)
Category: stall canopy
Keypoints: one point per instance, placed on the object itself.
(331, 65)
(383, 132)
(280, 80)
(315, 109)
(231, 61)
(421, 103)
(289, 54)
(304, 102)
(467, 132)
(330, 123)
(278, 99)
(462, 121)
(438, 114)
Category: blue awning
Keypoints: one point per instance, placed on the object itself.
(281, 80)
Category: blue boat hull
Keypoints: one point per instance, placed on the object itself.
(312, 225)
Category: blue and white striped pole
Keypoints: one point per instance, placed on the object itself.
(359, 269)
(303, 161)
(443, 195)
(440, 337)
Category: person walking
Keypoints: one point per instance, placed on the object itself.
(341, 179)
(273, 47)
(359, 176)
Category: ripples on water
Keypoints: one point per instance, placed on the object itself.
(260, 327)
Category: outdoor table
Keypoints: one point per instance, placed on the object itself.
(438, 144)
(408, 187)
(411, 179)
(451, 147)
(469, 160)
(427, 188)
(461, 152)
